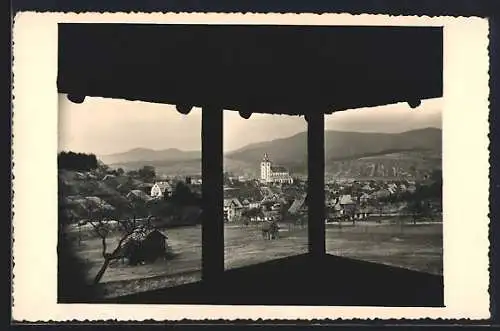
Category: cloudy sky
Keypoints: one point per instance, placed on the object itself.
(106, 126)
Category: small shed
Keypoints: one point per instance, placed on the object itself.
(144, 245)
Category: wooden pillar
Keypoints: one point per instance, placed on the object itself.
(212, 169)
(316, 183)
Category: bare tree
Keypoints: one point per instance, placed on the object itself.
(101, 226)
(380, 208)
(100, 216)
(416, 209)
(352, 215)
(102, 230)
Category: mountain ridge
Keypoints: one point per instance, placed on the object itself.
(148, 154)
(292, 151)
(259, 143)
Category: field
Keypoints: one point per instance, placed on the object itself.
(417, 247)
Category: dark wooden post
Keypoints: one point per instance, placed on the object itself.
(316, 183)
(213, 221)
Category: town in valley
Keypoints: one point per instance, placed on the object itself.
(130, 220)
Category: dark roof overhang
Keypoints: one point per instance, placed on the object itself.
(252, 68)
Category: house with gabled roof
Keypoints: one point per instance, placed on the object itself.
(232, 209)
(298, 206)
(145, 187)
(380, 194)
(144, 244)
(161, 189)
(334, 210)
(138, 195)
(347, 204)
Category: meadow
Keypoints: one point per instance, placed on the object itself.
(412, 246)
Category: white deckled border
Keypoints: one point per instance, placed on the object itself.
(465, 171)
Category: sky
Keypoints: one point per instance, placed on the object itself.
(106, 126)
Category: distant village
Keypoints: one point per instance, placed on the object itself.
(277, 195)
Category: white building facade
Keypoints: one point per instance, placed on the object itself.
(161, 189)
(273, 174)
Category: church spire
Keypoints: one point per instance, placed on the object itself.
(266, 158)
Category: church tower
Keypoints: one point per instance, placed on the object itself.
(265, 169)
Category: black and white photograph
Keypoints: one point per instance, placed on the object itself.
(131, 172)
(244, 164)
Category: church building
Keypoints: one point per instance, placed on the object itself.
(273, 174)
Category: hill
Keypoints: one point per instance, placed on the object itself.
(410, 149)
(407, 149)
(187, 167)
(95, 194)
(341, 145)
(182, 167)
(146, 154)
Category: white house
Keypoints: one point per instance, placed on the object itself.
(161, 189)
(254, 205)
(232, 209)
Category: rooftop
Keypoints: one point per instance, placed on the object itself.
(278, 169)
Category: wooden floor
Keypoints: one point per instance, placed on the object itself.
(304, 280)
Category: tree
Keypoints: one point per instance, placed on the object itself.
(120, 171)
(76, 161)
(100, 219)
(415, 207)
(63, 208)
(380, 210)
(350, 213)
(164, 209)
(148, 173)
(183, 196)
(100, 215)
(138, 208)
(284, 211)
(104, 168)
(133, 173)
(252, 212)
(436, 188)
(101, 228)
(267, 205)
